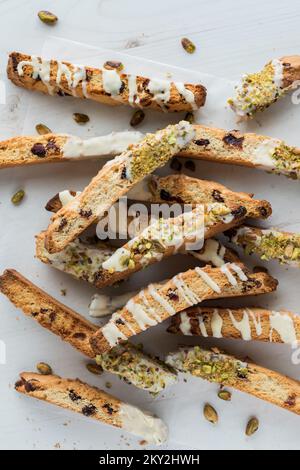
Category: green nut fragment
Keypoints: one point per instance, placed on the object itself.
(113, 65)
(224, 395)
(137, 118)
(210, 414)
(42, 129)
(252, 426)
(47, 17)
(44, 368)
(18, 197)
(94, 368)
(188, 45)
(81, 118)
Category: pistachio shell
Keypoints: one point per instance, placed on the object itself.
(18, 197)
(188, 45)
(252, 426)
(224, 395)
(210, 414)
(44, 368)
(42, 129)
(113, 65)
(47, 17)
(81, 118)
(94, 368)
(137, 118)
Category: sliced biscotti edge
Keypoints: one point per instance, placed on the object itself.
(157, 303)
(248, 323)
(92, 402)
(227, 370)
(47, 311)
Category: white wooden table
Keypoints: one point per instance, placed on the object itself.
(231, 37)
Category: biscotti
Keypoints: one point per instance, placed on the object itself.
(180, 189)
(105, 85)
(213, 144)
(52, 148)
(114, 180)
(186, 190)
(229, 371)
(166, 237)
(129, 362)
(92, 402)
(269, 244)
(251, 150)
(253, 323)
(155, 304)
(258, 91)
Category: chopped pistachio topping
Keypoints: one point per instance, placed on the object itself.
(287, 160)
(143, 371)
(258, 91)
(80, 260)
(156, 149)
(270, 244)
(209, 365)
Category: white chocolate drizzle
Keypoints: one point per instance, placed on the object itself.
(188, 95)
(242, 326)
(213, 253)
(65, 197)
(111, 82)
(40, 69)
(203, 327)
(225, 270)
(263, 154)
(143, 424)
(159, 299)
(112, 334)
(238, 270)
(208, 280)
(284, 325)
(185, 324)
(256, 319)
(139, 315)
(216, 324)
(149, 307)
(188, 294)
(161, 91)
(111, 144)
(133, 97)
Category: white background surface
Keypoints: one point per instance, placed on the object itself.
(232, 37)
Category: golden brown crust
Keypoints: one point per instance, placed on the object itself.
(219, 145)
(73, 395)
(291, 70)
(94, 86)
(256, 284)
(20, 151)
(257, 319)
(47, 311)
(187, 190)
